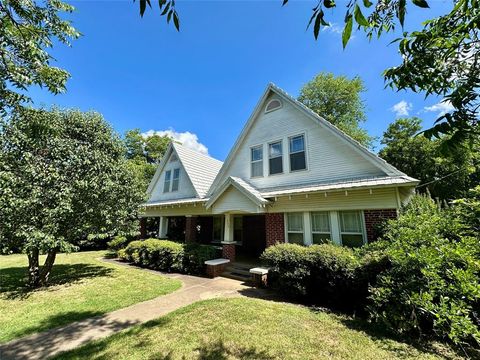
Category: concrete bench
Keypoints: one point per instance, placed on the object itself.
(216, 266)
(259, 276)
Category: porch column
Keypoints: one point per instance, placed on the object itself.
(191, 228)
(163, 227)
(143, 228)
(228, 245)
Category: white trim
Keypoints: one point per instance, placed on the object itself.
(362, 225)
(256, 161)
(281, 156)
(276, 108)
(305, 147)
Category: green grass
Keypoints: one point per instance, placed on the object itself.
(242, 328)
(81, 286)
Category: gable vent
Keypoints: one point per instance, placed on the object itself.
(273, 105)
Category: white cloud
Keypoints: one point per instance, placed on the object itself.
(441, 108)
(187, 139)
(402, 108)
(333, 28)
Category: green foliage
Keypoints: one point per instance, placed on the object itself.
(117, 243)
(445, 175)
(63, 177)
(28, 29)
(170, 256)
(326, 274)
(338, 100)
(433, 284)
(467, 210)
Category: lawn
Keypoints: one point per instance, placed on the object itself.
(82, 286)
(242, 328)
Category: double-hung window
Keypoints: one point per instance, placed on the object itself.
(176, 179)
(166, 185)
(321, 232)
(256, 154)
(297, 153)
(295, 228)
(351, 228)
(275, 158)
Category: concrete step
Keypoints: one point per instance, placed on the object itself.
(236, 276)
(237, 270)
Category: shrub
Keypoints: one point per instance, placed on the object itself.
(169, 256)
(432, 285)
(289, 268)
(117, 243)
(195, 256)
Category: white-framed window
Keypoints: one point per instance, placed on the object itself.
(176, 179)
(295, 228)
(297, 153)
(217, 228)
(321, 230)
(275, 158)
(351, 228)
(166, 184)
(256, 158)
(272, 105)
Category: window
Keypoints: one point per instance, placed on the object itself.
(176, 179)
(166, 185)
(217, 228)
(275, 158)
(321, 233)
(273, 105)
(297, 153)
(173, 158)
(295, 228)
(257, 161)
(351, 228)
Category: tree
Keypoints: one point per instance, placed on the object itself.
(28, 28)
(338, 100)
(445, 175)
(440, 59)
(63, 176)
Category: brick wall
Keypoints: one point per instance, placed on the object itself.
(274, 229)
(228, 252)
(373, 218)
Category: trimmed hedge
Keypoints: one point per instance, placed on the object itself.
(169, 256)
(324, 274)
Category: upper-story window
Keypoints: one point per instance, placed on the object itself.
(272, 105)
(166, 185)
(275, 158)
(176, 179)
(173, 158)
(297, 153)
(257, 161)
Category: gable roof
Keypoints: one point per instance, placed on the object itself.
(352, 143)
(241, 185)
(201, 169)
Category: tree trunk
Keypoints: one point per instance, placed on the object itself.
(47, 267)
(33, 268)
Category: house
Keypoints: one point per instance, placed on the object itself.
(291, 176)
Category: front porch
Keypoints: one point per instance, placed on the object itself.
(241, 237)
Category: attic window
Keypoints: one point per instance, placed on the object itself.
(173, 158)
(273, 105)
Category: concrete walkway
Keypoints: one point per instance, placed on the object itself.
(49, 343)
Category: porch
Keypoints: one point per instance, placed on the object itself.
(240, 237)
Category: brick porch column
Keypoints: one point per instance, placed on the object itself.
(373, 218)
(274, 229)
(143, 228)
(191, 229)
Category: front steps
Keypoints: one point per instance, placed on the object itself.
(238, 271)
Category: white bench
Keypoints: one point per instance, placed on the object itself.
(216, 266)
(259, 276)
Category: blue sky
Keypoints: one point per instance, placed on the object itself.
(206, 79)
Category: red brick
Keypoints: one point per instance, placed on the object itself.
(373, 218)
(228, 252)
(274, 229)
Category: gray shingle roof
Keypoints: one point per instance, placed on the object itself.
(202, 169)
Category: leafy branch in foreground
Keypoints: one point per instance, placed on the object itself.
(28, 28)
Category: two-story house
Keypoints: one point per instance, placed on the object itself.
(291, 176)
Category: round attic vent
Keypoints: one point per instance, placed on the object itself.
(272, 105)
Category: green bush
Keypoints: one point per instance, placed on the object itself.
(169, 256)
(117, 243)
(433, 283)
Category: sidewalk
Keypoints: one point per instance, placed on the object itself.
(54, 341)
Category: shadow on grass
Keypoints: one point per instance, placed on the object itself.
(14, 285)
(218, 351)
(44, 343)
